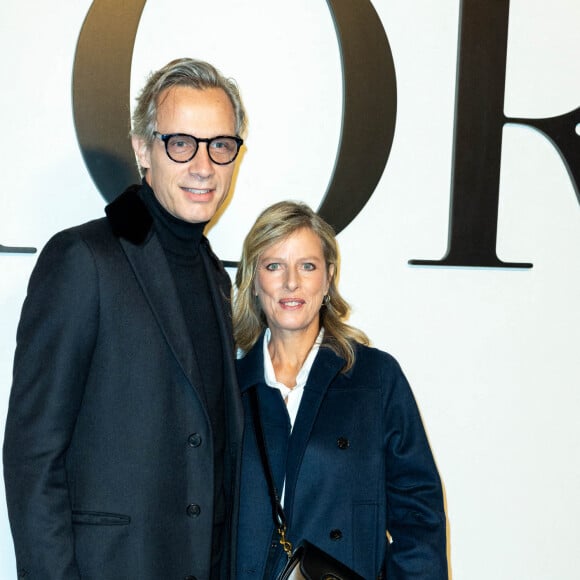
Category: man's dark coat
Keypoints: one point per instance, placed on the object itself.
(108, 457)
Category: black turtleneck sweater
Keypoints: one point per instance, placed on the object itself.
(181, 242)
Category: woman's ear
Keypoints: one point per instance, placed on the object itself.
(330, 276)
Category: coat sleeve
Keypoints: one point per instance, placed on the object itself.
(55, 341)
(416, 519)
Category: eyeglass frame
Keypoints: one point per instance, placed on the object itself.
(166, 136)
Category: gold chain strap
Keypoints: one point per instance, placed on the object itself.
(286, 544)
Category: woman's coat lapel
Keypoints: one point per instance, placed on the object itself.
(326, 367)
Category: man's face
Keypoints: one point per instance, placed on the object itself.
(191, 191)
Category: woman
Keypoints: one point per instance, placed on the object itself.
(344, 437)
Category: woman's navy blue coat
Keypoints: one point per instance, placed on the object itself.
(357, 464)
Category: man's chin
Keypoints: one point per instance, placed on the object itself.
(198, 217)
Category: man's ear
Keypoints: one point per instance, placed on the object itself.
(142, 151)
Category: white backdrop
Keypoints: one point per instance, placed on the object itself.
(492, 355)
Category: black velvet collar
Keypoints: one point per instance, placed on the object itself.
(129, 217)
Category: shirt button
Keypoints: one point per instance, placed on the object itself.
(194, 440)
(193, 510)
(343, 443)
(335, 535)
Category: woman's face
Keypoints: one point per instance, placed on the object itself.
(291, 281)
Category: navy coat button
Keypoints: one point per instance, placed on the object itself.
(193, 510)
(343, 443)
(335, 535)
(194, 440)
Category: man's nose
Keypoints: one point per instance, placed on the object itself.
(201, 164)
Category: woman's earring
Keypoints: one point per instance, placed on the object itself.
(326, 300)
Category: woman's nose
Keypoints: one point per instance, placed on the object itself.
(291, 279)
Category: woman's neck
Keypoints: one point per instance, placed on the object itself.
(288, 351)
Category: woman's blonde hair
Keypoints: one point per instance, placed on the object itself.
(274, 224)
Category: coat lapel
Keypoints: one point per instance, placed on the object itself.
(153, 274)
(327, 366)
(219, 286)
(132, 223)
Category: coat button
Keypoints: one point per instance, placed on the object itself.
(343, 443)
(193, 510)
(194, 440)
(335, 535)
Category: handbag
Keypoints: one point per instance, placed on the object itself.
(306, 562)
(310, 563)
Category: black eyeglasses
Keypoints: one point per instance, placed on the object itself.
(182, 148)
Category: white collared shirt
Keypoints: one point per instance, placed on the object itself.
(291, 396)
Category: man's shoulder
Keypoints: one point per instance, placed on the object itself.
(75, 244)
(214, 260)
(96, 230)
(126, 217)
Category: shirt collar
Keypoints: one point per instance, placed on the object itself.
(302, 377)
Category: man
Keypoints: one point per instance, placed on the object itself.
(122, 443)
